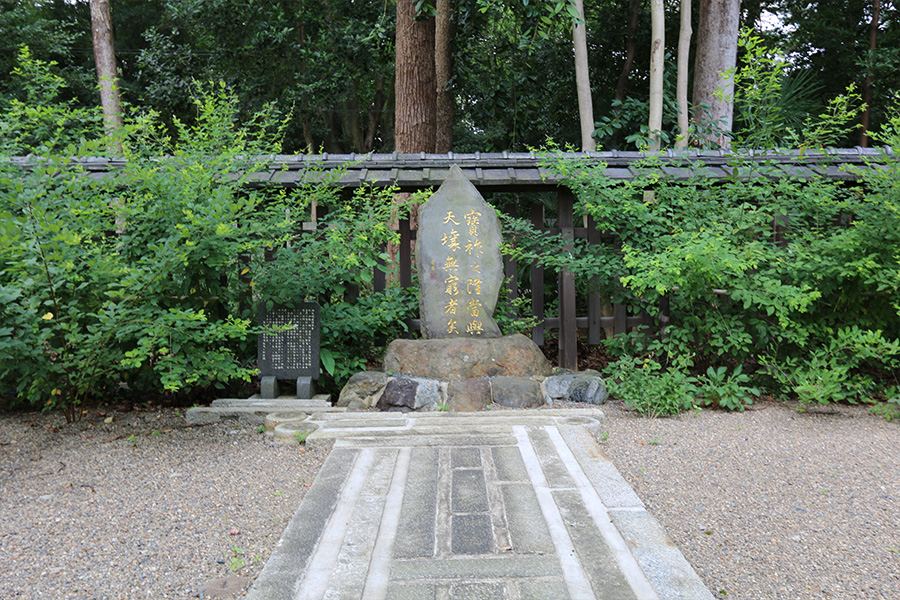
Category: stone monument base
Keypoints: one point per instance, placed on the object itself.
(467, 358)
(467, 374)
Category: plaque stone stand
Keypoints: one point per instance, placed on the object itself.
(291, 352)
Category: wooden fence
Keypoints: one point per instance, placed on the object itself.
(517, 172)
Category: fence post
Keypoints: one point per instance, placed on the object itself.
(568, 331)
(510, 268)
(537, 281)
(405, 255)
(595, 303)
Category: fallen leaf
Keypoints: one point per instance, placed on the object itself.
(108, 420)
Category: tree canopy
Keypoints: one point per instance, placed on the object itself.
(327, 66)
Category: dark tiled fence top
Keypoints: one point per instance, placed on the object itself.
(524, 170)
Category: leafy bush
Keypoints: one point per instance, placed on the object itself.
(644, 386)
(149, 276)
(787, 282)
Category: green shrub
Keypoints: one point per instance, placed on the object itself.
(645, 387)
(150, 276)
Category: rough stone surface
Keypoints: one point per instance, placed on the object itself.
(399, 394)
(429, 395)
(459, 262)
(516, 392)
(512, 355)
(586, 386)
(468, 395)
(363, 388)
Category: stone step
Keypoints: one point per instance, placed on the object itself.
(316, 402)
(247, 415)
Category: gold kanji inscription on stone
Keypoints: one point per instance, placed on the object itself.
(472, 220)
(450, 307)
(475, 328)
(452, 283)
(451, 264)
(451, 240)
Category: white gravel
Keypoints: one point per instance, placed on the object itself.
(87, 511)
(772, 504)
(766, 505)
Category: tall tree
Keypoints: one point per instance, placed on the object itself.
(630, 48)
(681, 91)
(717, 36)
(107, 76)
(443, 67)
(582, 80)
(867, 88)
(657, 63)
(415, 113)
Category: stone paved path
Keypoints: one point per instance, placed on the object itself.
(502, 505)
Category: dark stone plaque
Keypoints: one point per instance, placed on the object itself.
(291, 353)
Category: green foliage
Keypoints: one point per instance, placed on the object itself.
(721, 389)
(775, 107)
(650, 390)
(776, 281)
(37, 119)
(149, 276)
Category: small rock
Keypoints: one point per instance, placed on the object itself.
(468, 395)
(224, 587)
(363, 388)
(586, 386)
(399, 394)
(234, 531)
(516, 392)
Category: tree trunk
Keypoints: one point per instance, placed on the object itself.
(443, 67)
(867, 89)
(105, 61)
(657, 63)
(684, 49)
(622, 86)
(414, 90)
(717, 35)
(582, 82)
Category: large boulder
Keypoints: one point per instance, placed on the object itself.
(466, 358)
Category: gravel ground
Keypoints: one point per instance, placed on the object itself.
(768, 504)
(142, 507)
(771, 504)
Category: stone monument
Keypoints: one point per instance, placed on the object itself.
(464, 363)
(459, 262)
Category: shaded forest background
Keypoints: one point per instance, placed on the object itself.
(327, 66)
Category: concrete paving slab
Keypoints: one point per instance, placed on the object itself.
(516, 505)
